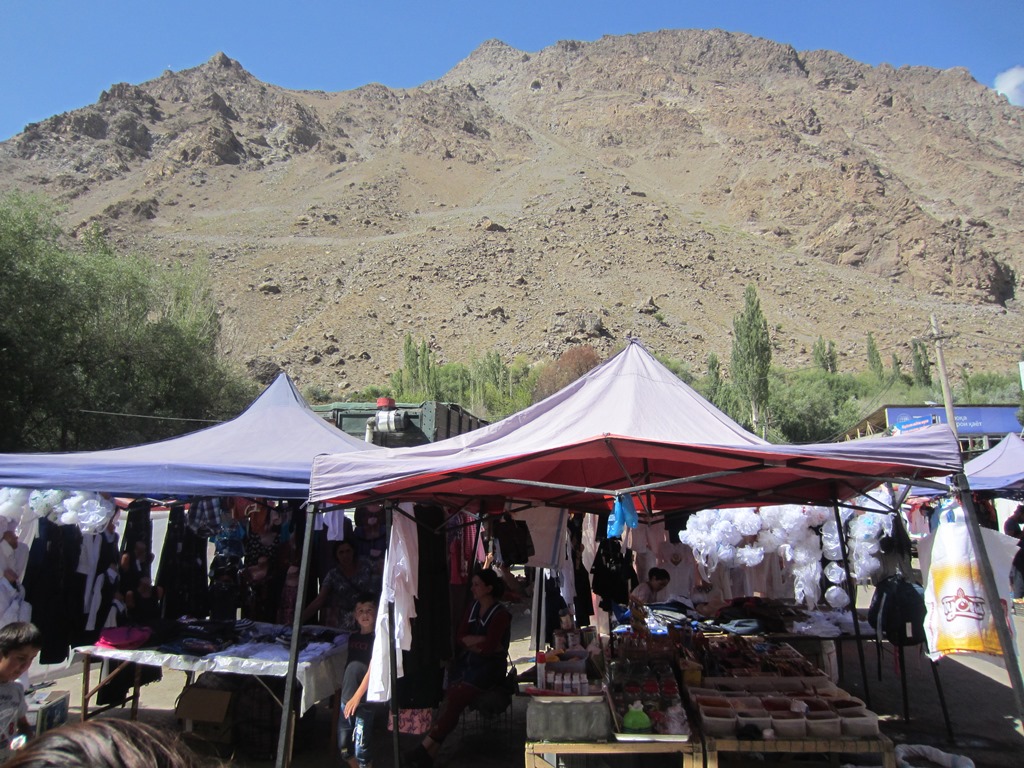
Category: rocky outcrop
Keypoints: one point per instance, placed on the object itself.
(526, 202)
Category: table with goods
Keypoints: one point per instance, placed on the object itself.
(698, 694)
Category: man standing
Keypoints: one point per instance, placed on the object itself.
(1014, 526)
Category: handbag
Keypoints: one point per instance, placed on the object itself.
(514, 540)
(511, 682)
(413, 721)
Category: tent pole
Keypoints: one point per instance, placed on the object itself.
(392, 655)
(991, 591)
(852, 589)
(284, 734)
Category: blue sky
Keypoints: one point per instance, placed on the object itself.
(58, 55)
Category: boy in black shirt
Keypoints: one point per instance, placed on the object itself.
(355, 728)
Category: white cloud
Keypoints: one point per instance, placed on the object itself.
(1011, 84)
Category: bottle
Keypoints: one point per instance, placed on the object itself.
(541, 665)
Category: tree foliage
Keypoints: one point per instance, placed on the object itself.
(825, 355)
(921, 366)
(568, 367)
(489, 387)
(100, 348)
(875, 358)
(751, 355)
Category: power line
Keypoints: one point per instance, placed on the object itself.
(145, 416)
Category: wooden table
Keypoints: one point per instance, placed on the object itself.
(881, 745)
(691, 752)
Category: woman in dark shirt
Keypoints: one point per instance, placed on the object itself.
(483, 639)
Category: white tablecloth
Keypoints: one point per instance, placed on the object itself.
(320, 670)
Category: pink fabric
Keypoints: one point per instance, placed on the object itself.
(125, 638)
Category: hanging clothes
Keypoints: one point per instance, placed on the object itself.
(613, 574)
(51, 587)
(136, 546)
(465, 550)
(678, 560)
(401, 585)
(583, 600)
(99, 562)
(183, 569)
(431, 633)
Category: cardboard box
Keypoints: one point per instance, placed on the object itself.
(209, 711)
(48, 710)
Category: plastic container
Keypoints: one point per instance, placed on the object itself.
(715, 702)
(851, 706)
(745, 702)
(568, 718)
(823, 724)
(862, 724)
(759, 718)
(777, 704)
(814, 704)
(695, 691)
(718, 721)
(789, 725)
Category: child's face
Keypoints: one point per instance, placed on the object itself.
(366, 614)
(16, 663)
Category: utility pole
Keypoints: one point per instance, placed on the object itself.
(988, 579)
(947, 397)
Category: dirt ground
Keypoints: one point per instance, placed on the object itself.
(978, 694)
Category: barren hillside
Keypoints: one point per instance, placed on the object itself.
(528, 201)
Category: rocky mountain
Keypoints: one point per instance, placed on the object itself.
(525, 202)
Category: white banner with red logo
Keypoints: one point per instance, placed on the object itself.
(959, 619)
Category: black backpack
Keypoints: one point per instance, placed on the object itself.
(897, 611)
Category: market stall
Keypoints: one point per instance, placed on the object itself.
(630, 437)
(265, 452)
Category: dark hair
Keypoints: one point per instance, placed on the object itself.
(106, 743)
(492, 580)
(367, 597)
(20, 634)
(658, 573)
(345, 543)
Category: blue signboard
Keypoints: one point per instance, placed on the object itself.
(970, 420)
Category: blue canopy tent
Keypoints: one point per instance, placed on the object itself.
(997, 471)
(266, 451)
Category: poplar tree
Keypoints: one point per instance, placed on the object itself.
(921, 365)
(751, 355)
(874, 358)
(825, 355)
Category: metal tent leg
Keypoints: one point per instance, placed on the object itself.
(942, 701)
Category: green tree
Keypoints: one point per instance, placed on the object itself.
(825, 355)
(874, 358)
(895, 367)
(100, 348)
(751, 355)
(921, 366)
(711, 385)
(806, 406)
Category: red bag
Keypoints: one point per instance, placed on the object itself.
(125, 638)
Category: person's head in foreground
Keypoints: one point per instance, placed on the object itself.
(19, 645)
(105, 743)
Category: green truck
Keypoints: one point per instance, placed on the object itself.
(395, 425)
